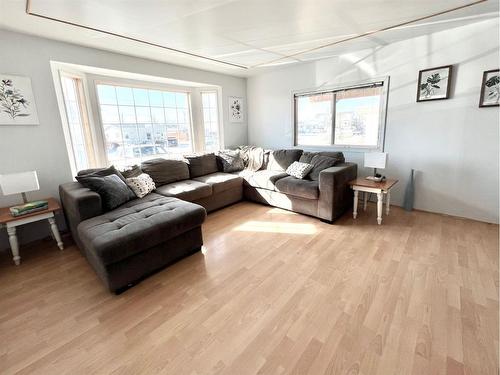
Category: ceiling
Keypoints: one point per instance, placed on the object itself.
(239, 37)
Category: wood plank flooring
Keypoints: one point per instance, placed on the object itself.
(273, 293)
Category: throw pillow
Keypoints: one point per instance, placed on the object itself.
(201, 165)
(99, 172)
(141, 185)
(299, 170)
(165, 171)
(133, 171)
(230, 161)
(113, 191)
(319, 163)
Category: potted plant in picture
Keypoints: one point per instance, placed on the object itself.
(434, 84)
(490, 89)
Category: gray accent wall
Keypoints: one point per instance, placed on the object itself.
(42, 147)
(452, 144)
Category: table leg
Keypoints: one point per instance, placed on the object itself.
(14, 245)
(365, 199)
(380, 198)
(388, 202)
(55, 232)
(355, 205)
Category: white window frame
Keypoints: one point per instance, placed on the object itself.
(333, 88)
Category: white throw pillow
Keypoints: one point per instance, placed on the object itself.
(299, 170)
(141, 185)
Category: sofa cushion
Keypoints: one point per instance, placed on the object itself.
(112, 190)
(298, 188)
(131, 172)
(201, 165)
(100, 172)
(307, 156)
(221, 181)
(299, 170)
(319, 163)
(280, 160)
(141, 185)
(145, 223)
(230, 161)
(264, 178)
(189, 190)
(165, 171)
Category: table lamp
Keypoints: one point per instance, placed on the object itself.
(15, 183)
(375, 160)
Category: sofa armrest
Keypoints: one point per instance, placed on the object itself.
(335, 195)
(78, 203)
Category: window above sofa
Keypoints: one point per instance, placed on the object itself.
(120, 118)
(342, 117)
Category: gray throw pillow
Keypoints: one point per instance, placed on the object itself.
(299, 170)
(230, 160)
(133, 171)
(201, 165)
(113, 191)
(165, 171)
(319, 163)
(99, 172)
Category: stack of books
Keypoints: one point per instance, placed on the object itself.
(29, 208)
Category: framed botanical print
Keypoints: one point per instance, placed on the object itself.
(17, 102)
(235, 109)
(434, 83)
(490, 89)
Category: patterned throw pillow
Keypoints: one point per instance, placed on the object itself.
(298, 169)
(230, 160)
(141, 185)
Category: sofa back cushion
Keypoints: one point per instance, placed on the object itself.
(100, 172)
(230, 161)
(200, 165)
(319, 163)
(165, 171)
(307, 156)
(280, 160)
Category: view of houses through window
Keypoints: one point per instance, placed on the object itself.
(141, 124)
(348, 117)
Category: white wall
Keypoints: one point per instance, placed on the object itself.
(453, 144)
(42, 147)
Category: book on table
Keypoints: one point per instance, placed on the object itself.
(29, 208)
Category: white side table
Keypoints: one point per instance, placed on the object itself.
(10, 222)
(367, 186)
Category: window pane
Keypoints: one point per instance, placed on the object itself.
(169, 99)
(124, 96)
(358, 116)
(127, 114)
(155, 98)
(75, 122)
(314, 119)
(143, 114)
(141, 97)
(210, 120)
(181, 100)
(107, 94)
(109, 114)
(158, 115)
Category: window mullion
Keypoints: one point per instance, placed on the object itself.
(334, 116)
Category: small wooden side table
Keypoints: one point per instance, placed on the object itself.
(368, 186)
(11, 222)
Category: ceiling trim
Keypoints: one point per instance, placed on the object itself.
(368, 33)
(31, 13)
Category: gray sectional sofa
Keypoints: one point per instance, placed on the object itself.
(146, 234)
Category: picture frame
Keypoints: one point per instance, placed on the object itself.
(490, 89)
(434, 83)
(17, 102)
(235, 109)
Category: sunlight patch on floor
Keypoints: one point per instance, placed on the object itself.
(276, 227)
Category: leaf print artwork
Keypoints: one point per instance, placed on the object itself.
(11, 100)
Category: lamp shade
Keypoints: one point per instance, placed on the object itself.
(15, 183)
(375, 160)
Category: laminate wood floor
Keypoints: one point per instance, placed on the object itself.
(273, 293)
